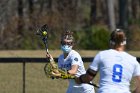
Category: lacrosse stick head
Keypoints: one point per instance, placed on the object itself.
(48, 69)
(43, 32)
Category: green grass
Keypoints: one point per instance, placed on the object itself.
(10, 78)
(36, 81)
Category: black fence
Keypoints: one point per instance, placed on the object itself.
(36, 60)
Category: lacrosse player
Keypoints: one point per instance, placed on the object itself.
(71, 61)
(116, 67)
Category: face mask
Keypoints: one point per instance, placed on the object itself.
(66, 48)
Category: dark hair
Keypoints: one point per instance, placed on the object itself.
(67, 35)
(118, 37)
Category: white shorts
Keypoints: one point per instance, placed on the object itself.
(82, 88)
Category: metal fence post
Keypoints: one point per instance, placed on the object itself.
(24, 77)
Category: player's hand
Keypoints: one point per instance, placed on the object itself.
(55, 74)
(49, 56)
(67, 76)
(64, 76)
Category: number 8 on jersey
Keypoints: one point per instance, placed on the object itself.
(117, 73)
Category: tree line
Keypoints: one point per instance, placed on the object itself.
(90, 20)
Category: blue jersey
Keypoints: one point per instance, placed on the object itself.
(74, 58)
(116, 70)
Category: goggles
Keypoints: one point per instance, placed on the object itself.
(66, 43)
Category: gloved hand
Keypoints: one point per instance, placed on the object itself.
(67, 76)
(49, 56)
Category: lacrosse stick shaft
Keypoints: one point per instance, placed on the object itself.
(47, 51)
(91, 83)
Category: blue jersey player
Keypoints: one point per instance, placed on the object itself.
(116, 67)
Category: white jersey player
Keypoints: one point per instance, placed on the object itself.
(116, 67)
(71, 61)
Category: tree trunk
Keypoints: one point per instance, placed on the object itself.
(20, 17)
(93, 12)
(111, 15)
(135, 9)
(123, 14)
(32, 15)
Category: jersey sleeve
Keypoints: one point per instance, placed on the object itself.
(137, 70)
(95, 63)
(76, 59)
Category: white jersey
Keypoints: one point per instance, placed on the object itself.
(74, 58)
(116, 70)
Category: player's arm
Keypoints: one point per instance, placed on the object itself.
(86, 78)
(73, 70)
(137, 78)
(75, 64)
(91, 71)
(137, 90)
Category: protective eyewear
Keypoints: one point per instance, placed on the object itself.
(66, 43)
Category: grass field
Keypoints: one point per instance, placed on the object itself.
(36, 81)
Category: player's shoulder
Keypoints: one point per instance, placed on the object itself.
(131, 59)
(60, 56)
(105, 52)
(129, 55)
(73, 52)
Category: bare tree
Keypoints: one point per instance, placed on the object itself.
(20, 16)
(93, 12)
(135, 9)
(123, 14)
(111, 14)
